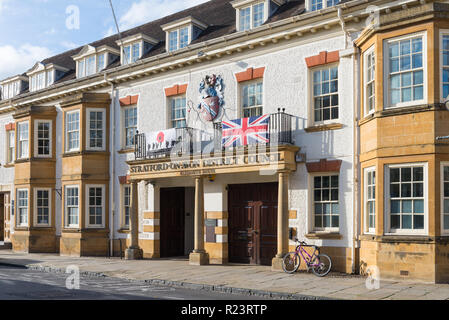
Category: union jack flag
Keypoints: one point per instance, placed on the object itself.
(245, 131)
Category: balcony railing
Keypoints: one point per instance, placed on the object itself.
(192, 141)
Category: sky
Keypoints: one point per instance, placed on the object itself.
(32, 30)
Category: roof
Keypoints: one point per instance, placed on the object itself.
(218, 15)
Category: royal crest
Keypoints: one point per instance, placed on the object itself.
(211, 97)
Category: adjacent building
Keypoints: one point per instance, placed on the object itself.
(225, 131)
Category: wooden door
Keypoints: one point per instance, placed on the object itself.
(252, 223)
(172, 222)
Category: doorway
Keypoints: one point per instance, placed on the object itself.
(175, 222)
(252, 223)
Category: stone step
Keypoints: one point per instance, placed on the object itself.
(5, 245)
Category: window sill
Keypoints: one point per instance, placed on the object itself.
(398, 238)
(324, 235)
(324, 127)
(124, 230)
(126, 150)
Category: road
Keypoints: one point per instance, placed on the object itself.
(24, 284)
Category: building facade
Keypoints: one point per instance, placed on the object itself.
(225, 131)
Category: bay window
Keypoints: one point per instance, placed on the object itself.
(406, 194)
(72, 206)
(42, 145)
(72, 131)
(405, 66)
(95, 206)
(96, 129)
(369, 80)
(42, 205)
(444, 61)
(445, 198)
(22, 208)
(370, 200)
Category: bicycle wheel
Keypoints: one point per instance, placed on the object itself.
(321, 265)
(290, 262)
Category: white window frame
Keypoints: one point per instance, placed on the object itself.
(66, 134)
(103, 204)
(443, 32)
(313, 121)
(88, 147)
(123, 131)
(325, 6)
(178, 37)
(386, 64)
(388, 230)
(36, 138)
(18, 214)
(129, 60)
(66, 213)
(242, 86)
(312, 202)
(20, 154)
(36, 190)
(171, 115)
(442, 165)
(366, 199)
(10, 158)
(266, 8)
(124, 206)
(366, 81)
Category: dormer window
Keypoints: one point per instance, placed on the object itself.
(181, 33)
(315, 5)
(178, 39)
(253, 13)
(44, 75)
(135, 47)
(91, 60)
(12, 87)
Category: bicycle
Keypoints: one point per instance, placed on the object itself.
(320, 263)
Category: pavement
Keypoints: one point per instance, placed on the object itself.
(238, 279)
(17, 283)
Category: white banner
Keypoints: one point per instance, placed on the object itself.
(159, 140)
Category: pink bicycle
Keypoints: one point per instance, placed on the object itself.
(319, 263)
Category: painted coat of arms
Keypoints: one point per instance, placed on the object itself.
(211, 97)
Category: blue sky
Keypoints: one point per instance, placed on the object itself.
(32, 30)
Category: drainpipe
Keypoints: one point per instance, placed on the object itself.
(112, 182)
(356, 164)
(343, 26)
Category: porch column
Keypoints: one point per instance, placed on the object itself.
(199, 255)
(133, 252)
(282, 220)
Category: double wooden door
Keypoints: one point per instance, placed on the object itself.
(252, 223)
(172, 222)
